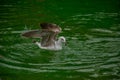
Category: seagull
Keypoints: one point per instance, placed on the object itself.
(48, 35)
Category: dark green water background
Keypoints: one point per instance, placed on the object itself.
(92, 30)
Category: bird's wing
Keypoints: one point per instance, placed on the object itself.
(49, 39)
(50, 27)
(50, 32)
(36, 33)
(32, 34)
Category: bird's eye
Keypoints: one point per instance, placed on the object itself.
(62, 39)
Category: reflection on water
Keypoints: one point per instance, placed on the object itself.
(93, 43)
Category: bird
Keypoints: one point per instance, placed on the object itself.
(48, 35)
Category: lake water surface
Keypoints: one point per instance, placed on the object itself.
(92, 30)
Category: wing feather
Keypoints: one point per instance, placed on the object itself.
(32, 34)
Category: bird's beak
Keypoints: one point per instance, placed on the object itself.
(65, 43)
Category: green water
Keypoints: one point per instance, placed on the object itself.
(92, 30)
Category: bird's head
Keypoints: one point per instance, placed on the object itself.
(62, 39)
